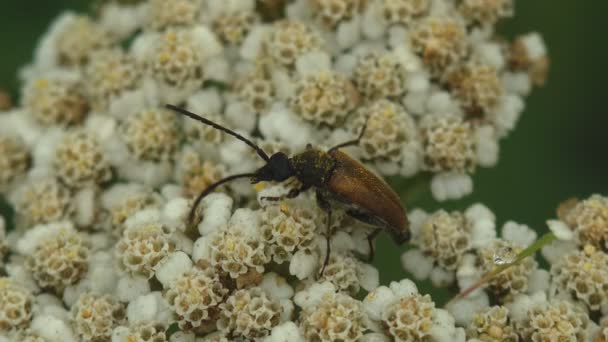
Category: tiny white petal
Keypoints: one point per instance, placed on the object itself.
(303, 264)
(376, 301)
(520, 234)
(172, 267)
(560, 230)
(403, 288)
(418, 264)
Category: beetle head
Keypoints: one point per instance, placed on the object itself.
(277, 169)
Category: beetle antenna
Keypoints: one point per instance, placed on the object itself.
(209, 189)
(196, 117)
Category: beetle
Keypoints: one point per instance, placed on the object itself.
(334, 175)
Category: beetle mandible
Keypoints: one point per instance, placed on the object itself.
(334, 175)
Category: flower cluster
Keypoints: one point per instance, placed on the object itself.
(102, 178)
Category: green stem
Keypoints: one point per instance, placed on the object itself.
(540, 243)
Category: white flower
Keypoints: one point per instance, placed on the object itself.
(172, 267)
(419, 265)
(560, 230)
(520, 234)
(445, 186)
(217, 209)
(276, 286)
(286, 332)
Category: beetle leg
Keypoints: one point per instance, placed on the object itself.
(325, 206)
(351, 142)
(370, 240)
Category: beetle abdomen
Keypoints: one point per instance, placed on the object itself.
(353, 184)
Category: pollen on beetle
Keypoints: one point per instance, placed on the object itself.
(14, 159)
(43, 201)
(325, 98)
(486, 12)
(164, 14)
(410, 318)
(493, 325)
(249, 313)
(440, 42)
(95, 316)
(380, 75)
(338, 317)
(60, 260)
(513, 280)
(152, 134)
(403, 11)
(196, 174)
(56, 101)
(343, 271)
(177, 60)
(589, 220)
(332, 12)
(195, 297)
(232, 27)
(16, 304)
(142, 246)
(80, 38)
(110, 73)
(477, 87)
(80, 160)
(289, 40)
(584, 275)
(558, 320)
(445, 237)
(389, 128)
(236, 253)
(286, 232)
(147, 331)
(448, 144)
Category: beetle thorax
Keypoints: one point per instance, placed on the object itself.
(313, 167)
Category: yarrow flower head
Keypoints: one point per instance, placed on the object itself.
(110, 240)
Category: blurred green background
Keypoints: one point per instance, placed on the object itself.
(557, 151)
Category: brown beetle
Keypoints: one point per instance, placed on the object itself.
(335, 176)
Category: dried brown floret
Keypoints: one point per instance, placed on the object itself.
(95, 316)
(528, 53)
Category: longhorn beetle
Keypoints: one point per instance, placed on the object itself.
(334, 175)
